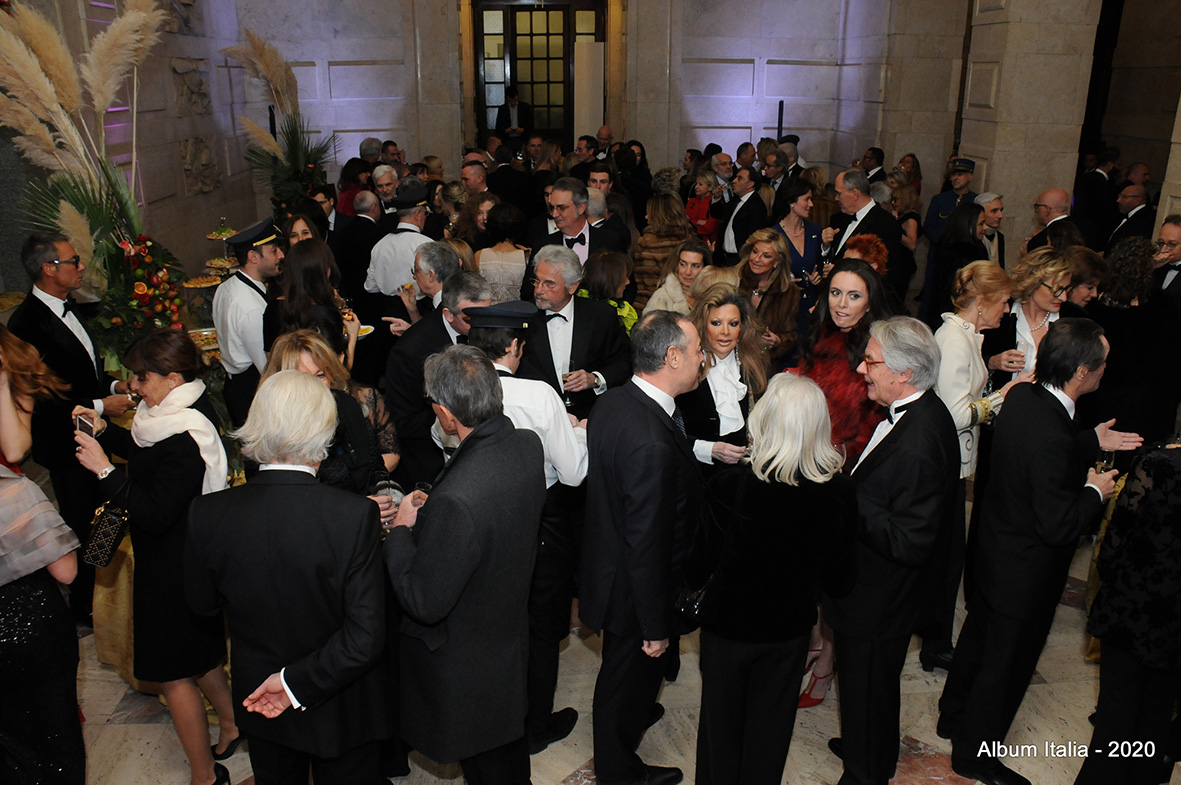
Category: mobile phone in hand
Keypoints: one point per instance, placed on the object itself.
(84, 425)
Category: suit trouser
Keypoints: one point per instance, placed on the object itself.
(507, 764)
(239, 394)
(276, 764)
(995, 658)
(937, 636)
(1135, 705)
(625, 692)
(749, 694)
(870, 702)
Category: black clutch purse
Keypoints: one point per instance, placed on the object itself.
(106, 532)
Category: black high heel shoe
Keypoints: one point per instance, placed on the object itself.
(221, 775)
(231, 748)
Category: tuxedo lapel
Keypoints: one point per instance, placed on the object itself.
(580, 340)
(64, 336)
(543, 353)
(682, 442)
(887, 445)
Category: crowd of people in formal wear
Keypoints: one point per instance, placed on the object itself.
(621, 402)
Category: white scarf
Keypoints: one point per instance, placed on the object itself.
(154, 424)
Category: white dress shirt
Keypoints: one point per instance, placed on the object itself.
(885, 426)
(392, 259)
(533, 405)
(663, 399)
(725, 384)
(582, 250)
(561, 339)
(1025, 333)
(729, 244)
(237, 314)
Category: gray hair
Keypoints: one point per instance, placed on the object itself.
(653, 335)
(409, 183)
(713, 160)
(790, 150)
(596, 204)
(779, 155)
(791, 433)
(462, 379)
(363, 202)
(383, 170)
(464, 285)
(370, 145)
(292, 420)
(573, 186)
(564, 259)
(855, 180)
(438, 257)
(986, 197)
(908, 345)
(881, 192)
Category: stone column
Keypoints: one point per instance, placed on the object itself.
(1028, 75)
(438, 78)
(652, 104)
(1170, 195)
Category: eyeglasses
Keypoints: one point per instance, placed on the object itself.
(1165, 244)
(76, 260)
(535, 282)
(1038, 206)
(1061, 290)
(870, 362)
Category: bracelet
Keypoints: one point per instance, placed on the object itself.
(102, 475)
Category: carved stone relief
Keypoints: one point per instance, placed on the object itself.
(202, 173)
(190, 78)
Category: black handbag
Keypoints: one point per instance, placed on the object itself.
(106, 531)
(698, 604)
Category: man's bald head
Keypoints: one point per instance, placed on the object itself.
(1131, 197)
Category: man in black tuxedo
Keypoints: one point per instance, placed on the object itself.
(295, 566)
(1094, 192)
(47, 319)
(775, 172)
(460, 560)
(1053, 205)
(1167, 274)
(860, 215)
(871, 163)
(740, 217)
(644, 493)
(1137, 218)
(579, 337)
(514, 119)
(1044, 493)
(410, 410)
(354, 245)
(906, 485)
(587, 150)
(567, 205)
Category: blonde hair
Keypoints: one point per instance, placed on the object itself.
(292, 420)
(791, 434)
(712, 275)
(289, 348)
(1045, 264)
(467, 259)
(981, 279)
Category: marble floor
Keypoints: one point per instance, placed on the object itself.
(130, 741)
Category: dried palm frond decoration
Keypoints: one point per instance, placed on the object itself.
(287, 160)
(56, 103)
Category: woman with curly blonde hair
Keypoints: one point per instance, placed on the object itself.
(765, 272)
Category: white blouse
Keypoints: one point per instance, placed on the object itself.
(725, 384)
(962, 378)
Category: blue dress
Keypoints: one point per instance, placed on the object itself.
(801, 265)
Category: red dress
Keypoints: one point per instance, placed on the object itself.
(854, 417)
(705, 224)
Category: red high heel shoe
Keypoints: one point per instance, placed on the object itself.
(813, 655)
(809, 697)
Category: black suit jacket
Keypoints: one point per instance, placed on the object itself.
(750, 218)
(295, 566)
(462, 576)
(52, 425)
(354, 245)
(599, 343)
(906, 491)
(643, 498)
(1139, 225)
(524, 119)
(878, 222)
(406, 400)
(1084, 228)
(1036, 506)
(598, 239)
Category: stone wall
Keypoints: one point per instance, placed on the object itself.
(1145, 86)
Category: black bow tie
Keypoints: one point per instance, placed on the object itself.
(895, 410)
(573, 241)
(68, 306)
(552, 315)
